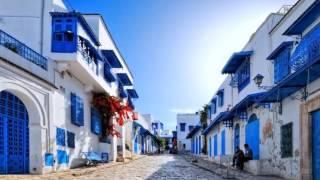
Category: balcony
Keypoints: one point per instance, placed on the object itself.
(23, 57)
(85, 64)
(23, 50)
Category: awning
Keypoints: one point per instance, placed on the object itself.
(293, 82)
(124, 79)
(279, 49)
(107, 73)
(305, 20)
(130, 103)
(246, 102)
(215, 122)
(220, 91)
(82, 21)
(235, 61)
(193, 132)
(132, 93)
(122, 92)
(112, 58)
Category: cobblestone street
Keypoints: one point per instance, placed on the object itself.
(149, 167)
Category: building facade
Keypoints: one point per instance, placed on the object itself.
(185, 123)
(144, 142)
(273, 85)
(53, 61)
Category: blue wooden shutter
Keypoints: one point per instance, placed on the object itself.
(95, 121)
(71, 139)
(64, 34)
(77, 111)
(61, 137)
(62, 157)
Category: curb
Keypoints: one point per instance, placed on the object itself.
(208, 169)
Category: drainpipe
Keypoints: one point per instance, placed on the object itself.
(41, 25)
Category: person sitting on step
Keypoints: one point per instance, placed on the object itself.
(238, 158)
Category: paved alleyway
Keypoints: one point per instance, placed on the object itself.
(150, 167)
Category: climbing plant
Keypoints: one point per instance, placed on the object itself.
(111, 107)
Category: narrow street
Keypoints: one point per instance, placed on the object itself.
(149, 167)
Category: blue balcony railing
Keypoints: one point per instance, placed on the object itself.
(23, 50)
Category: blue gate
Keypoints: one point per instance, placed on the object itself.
(236, 137)
(253, 136)
(316, 145)
(14, 135)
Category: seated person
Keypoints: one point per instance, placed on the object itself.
(248, 155)
(238, 158)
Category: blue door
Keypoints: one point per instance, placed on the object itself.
(199, 145)
(215, 145)
(209, 147)
(316, 145)
(236, 137)
(142, 144)
(223, 142)
(253, 136)
(136, 144)
(196, 145)
(14, 135)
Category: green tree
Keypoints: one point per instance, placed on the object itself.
(204, 124)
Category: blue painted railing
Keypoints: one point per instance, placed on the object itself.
(23, 50)
(307, 51)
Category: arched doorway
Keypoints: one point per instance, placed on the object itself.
(14, 135)
(253, 135)
(236, 137)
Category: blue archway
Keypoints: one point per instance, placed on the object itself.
(253, 135)
(14, 135)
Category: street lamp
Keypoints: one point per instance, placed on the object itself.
(258, 79)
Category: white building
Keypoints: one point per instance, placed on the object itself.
(274, 85)
(157, 127)
(144, 142)
(52, 62)
(185, 123)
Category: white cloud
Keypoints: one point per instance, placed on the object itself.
(182, 110)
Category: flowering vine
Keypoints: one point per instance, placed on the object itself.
(109, 107)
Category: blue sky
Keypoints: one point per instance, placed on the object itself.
(177, 48)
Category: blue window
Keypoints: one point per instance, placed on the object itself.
(62, 157)
(64, 34)
(182, 127)
(190, 128)
(214, 106)
(61, 137)
(282, 65)
(209, 111)
(155, 125)
(243, 75)
(77, 114)
(221, 98)
(95, 121)
(71, 139)
(108, 76)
